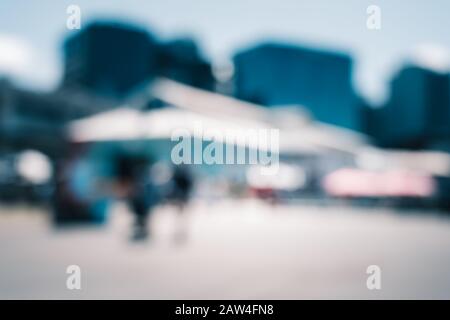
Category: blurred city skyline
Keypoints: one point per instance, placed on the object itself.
(35, 32)
(249, 149)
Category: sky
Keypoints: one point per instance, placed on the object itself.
(31, 32)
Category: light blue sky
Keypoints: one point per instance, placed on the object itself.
(224, 26)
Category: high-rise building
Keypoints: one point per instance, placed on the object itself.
(109, 59)
(276, 74)
(112, 59)
(417, 115)
(181, 60)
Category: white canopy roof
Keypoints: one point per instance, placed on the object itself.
(193, 109)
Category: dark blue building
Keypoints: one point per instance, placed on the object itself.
(109, 58)
(417, 115)
(112, 59)
(181, 60)
(276, 74)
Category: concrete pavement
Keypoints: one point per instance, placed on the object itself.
(233, 250)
